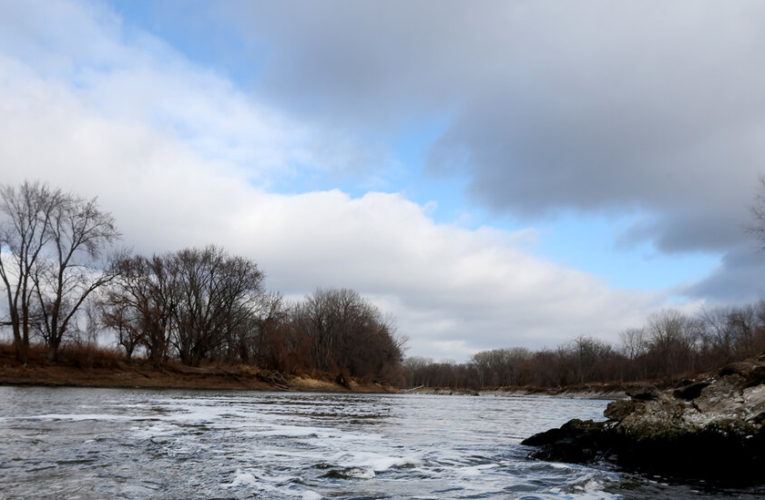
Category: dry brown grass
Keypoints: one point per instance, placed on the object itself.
(82, 356)
(88, 366)
(89, 356)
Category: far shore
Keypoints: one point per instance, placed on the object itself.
(135, 376)
(94, 367)
(141, 375)
(609, 392)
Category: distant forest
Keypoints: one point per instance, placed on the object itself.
(63, 288)
(670, 345)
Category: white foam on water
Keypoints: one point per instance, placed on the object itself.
(268, 485)
(476, 470)
(242, 479)
(154, 430)
(318, 436)
(79, 417)
(589, 487)
(290, 431)
(377, 462)
(558, 465)
(280, 479)
(360, 473)
(311, 495)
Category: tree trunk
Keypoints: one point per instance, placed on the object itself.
(21, 351)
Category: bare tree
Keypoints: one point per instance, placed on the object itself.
(265, 343)
(671, 341)
(346, 333)
(634, 343)
(116, 313)
(78, 233)
(501, 367)
(217, 296)
(87, 330)
(24, 234)
(718, 335)
(140, 305)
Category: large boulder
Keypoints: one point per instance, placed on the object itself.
(710, 428)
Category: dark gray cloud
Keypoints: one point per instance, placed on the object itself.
(655, 107)
(606, 106)
(739, 278)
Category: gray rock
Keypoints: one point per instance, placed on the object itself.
(710, 428)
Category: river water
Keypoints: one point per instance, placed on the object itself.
(110, 443)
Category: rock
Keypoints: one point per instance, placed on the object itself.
(576, 441)
(619, 409)
(691, 391)
(643, 393)
(711, 428)
(737, 368)
(756, 376)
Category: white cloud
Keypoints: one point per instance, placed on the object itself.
(169, 149)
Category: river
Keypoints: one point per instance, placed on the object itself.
(116, 443)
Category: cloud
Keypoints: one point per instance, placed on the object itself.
(444, 283)
(735, 279)
(142, 132)
(603, 107)
(608, 107)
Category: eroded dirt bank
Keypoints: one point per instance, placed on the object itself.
(140, 375)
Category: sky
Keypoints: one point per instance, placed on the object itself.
(489, 174)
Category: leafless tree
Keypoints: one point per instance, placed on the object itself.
(634, 343)
(89, 325)
(267, 343)
(118, 314)
(140, 305)
(79, 232)
(501, 367)
(345, 332)
(24, 234)
(217, 296)
(49, 247)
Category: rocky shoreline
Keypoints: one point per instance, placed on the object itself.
(710, 428)
(582, 391)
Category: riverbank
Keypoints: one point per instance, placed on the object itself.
(579, 391)
(140, 374)
(85, 367)
(103, 368)
(178, 377)
(583, 391)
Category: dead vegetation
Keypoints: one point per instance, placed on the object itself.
(91, 366)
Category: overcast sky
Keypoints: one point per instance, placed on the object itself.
(489, 173)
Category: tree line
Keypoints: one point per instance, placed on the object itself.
(671, 344)
(196, 305)
(204, 305)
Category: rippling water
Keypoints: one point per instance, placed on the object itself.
(109, 443)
